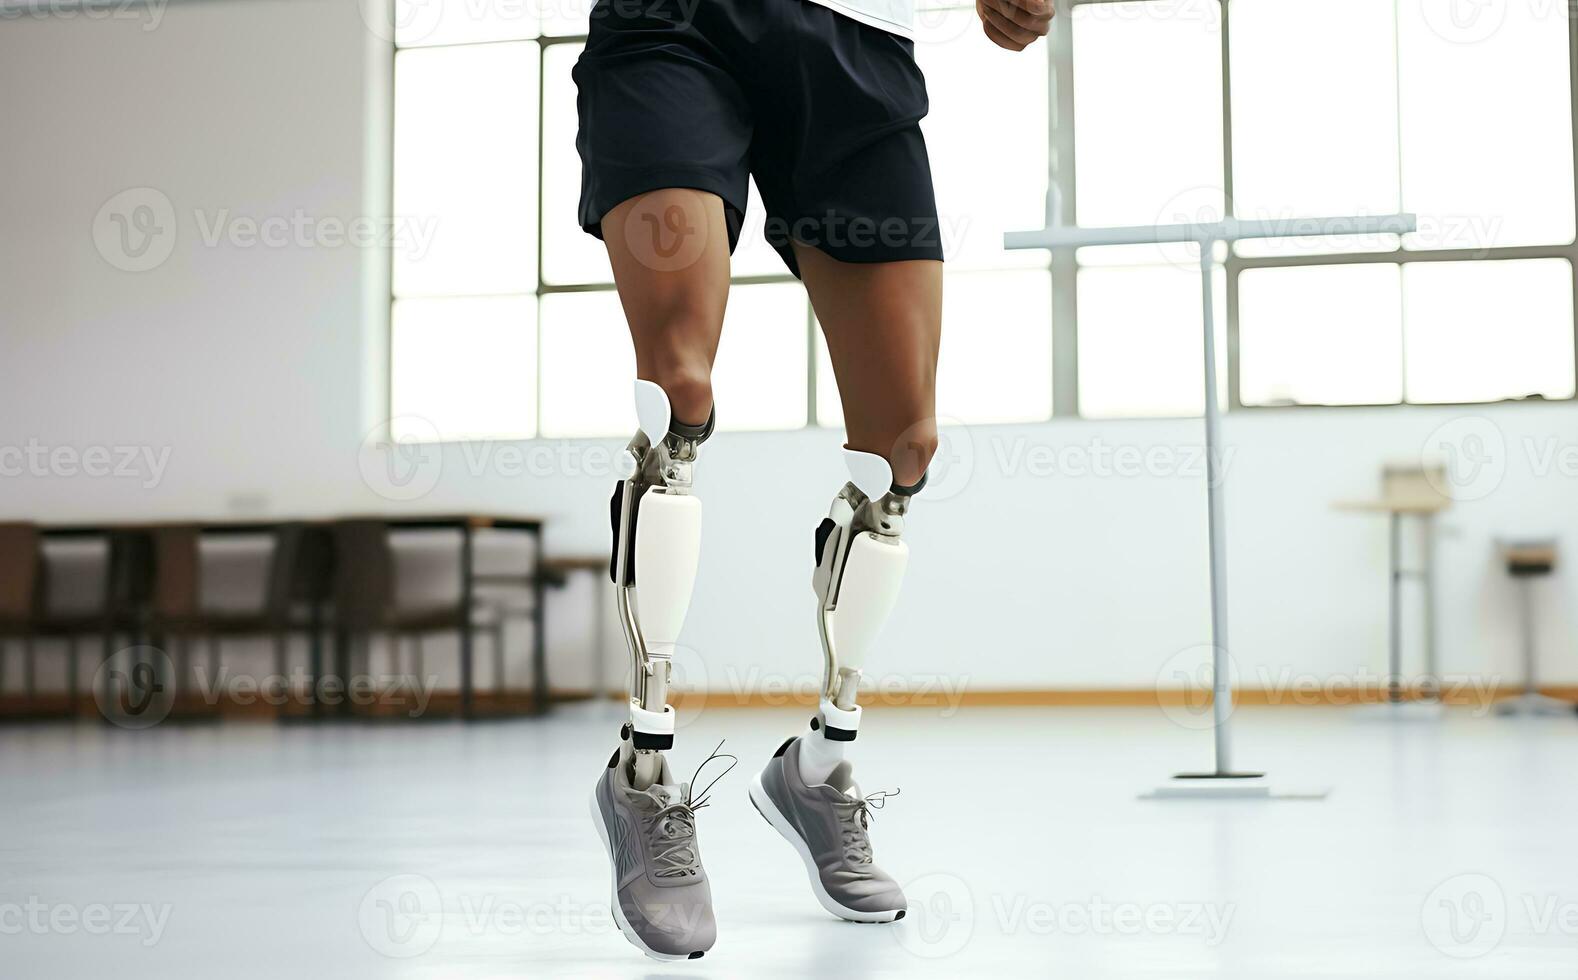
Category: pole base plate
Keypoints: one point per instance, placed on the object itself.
(1227, 786)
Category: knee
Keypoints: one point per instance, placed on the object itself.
(680, 364)
(912, 452)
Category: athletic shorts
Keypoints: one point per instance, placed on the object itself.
(822, 110)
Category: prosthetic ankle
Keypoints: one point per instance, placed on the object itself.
(657, 539)
(860, 562)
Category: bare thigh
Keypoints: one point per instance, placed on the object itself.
(883, 324)
(670, 253)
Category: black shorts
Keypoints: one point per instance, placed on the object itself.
(822, 110)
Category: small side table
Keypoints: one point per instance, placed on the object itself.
(1409, 492)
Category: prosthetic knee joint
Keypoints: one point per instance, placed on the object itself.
(860, 562)
(657, 539)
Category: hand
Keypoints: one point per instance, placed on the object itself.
(1015, 24)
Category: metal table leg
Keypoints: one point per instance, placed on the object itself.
(1394, 650)
(466, 630)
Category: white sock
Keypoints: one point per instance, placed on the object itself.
(819, 756)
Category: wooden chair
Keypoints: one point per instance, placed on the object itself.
(297, 590)
(364, 605)
(19, 593)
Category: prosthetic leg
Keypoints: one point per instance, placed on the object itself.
(658, 891)
(860, 563)
(657, 538)
(807, 791)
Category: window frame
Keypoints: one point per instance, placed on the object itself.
(1065, 346)
(1061, 262)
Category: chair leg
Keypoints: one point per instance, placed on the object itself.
(71, 674)
(498, 659)
(281, 670)
(29, 666)
(213, 653)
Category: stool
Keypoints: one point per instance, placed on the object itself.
(1526, 561)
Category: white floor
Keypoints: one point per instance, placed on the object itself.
(1445, 849)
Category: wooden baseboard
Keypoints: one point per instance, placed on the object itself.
(1465, 694)
(446, 704)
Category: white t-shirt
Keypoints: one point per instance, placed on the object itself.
(897, 16)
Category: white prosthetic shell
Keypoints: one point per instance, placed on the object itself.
(668, 545)
(668, 540)
(873, 571)
(652, 410)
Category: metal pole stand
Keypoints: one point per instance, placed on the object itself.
(1223, 782)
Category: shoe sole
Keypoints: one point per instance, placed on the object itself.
(613, 894)
(764, 805)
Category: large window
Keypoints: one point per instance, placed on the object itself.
(505, 323)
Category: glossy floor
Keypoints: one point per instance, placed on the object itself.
(1445, 849)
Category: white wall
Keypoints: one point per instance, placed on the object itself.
(261, 370)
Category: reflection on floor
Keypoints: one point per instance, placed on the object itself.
(444, 851)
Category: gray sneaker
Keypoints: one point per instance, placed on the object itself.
(660, 897)
(826, 824)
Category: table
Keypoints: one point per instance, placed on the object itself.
(466, 524)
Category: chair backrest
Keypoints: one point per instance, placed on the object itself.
(19, 571)
(128, 581)
(178, 576)
(363, 573)
(301, 568)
